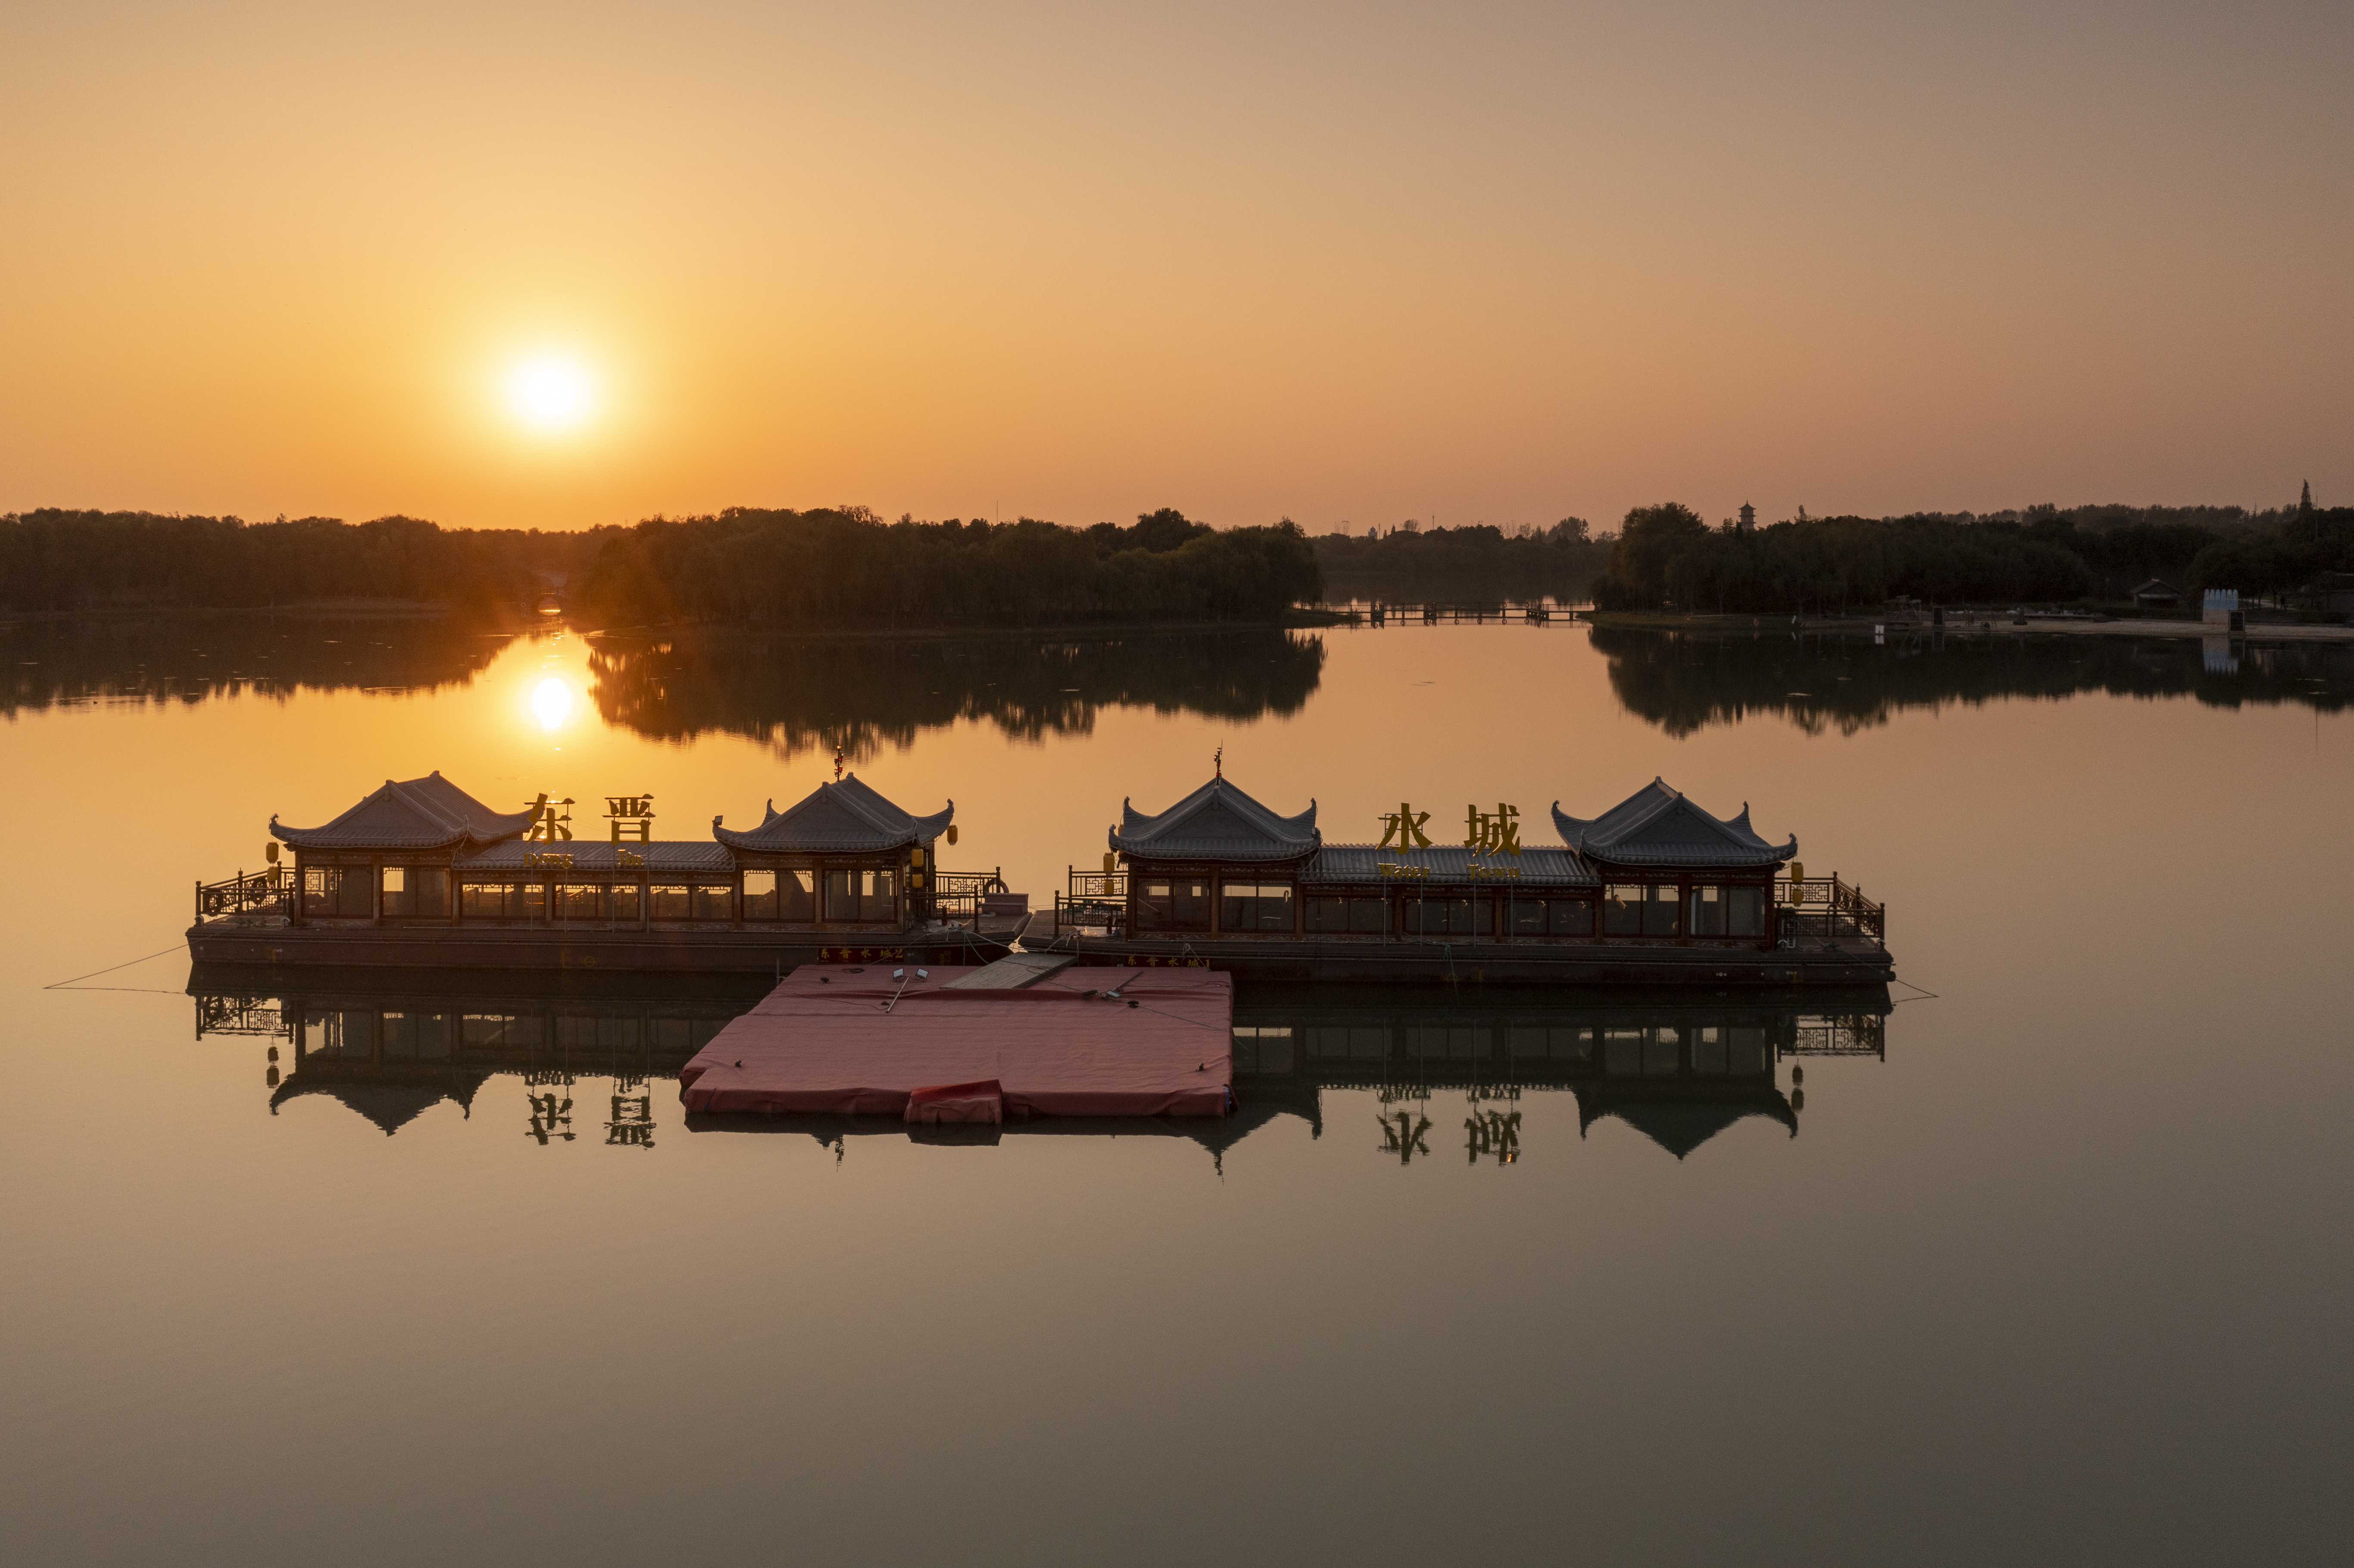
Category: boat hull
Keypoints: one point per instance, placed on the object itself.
(1492, 963)
(728, 951)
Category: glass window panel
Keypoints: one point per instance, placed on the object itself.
(1745, 912)
(1708, 911)
(667, 901)
(713, 901)
(1569, 918)
(581, 901)
(625, 902)
(321, 888)
(527, 900)
(1659, 911)
(481, 900)
(429, 893)
(1180, 903)
(841, 896)
(800, 889)
(355, 895)
(1622, 910)
(1327, 914)
(1369, 916)
(1528, 916)
(760, 902)
(396, 891)
(878, 895)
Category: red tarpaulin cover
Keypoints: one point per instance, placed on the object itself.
(1070, 1044)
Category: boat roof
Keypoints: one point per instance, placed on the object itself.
(662, 855)
(1659, 825)
(410, 813)
(1537, 867)
(1216, 821)
(848, 816)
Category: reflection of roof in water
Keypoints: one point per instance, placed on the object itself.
(1681, 1117)
(1216, 1134)
(390, 1103)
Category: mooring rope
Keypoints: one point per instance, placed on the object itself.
(61, 985)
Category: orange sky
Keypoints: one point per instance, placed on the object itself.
(1344, 263)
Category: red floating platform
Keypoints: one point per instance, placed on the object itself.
(933, 1045)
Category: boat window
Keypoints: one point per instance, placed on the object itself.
(1708, 911)
(713, 901)
(667, 901)
(1622, 910)
(760, 895)
(1255, 906)
(326, 891)
(528, 901)
(396, 891)
(1744, 912)
(800, 889)
(1528, 916)
(481, 900)
(1178, 905)
(1569, 918)
(1659, 911)
(1362, 915)
(580, 901)
(1450, 916)
(625, 902)
(878, 895)
(1708, 1049)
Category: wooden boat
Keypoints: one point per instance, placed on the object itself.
(1655, 890)
(420, 873)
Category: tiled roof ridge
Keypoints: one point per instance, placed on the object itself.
(1141, 829)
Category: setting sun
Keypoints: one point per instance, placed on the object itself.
(551, 394)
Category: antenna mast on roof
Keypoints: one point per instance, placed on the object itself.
(1218, 762)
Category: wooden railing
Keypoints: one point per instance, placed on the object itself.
(956, 895)
(263, 892)
(1824, 908)
(1844, 1034)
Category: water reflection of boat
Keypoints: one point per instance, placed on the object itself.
(587, 1058)
(1676, 1070)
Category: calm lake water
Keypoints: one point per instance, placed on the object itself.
(2063, 1276)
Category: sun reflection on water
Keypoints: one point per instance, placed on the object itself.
(551, 702)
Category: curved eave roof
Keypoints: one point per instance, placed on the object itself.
(410, 813)
(1659, 825)
(844, 818)
(1216, 821)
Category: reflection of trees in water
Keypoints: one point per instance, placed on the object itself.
(188, 658)
(1686, 681)
(799, 695)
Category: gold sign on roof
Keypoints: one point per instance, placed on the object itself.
(550, 819)
(1402, 829)
(632, 817)
(1492, 832)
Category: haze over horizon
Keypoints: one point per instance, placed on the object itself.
(536, 266)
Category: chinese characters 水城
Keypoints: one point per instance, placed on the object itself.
(1492, 832)
(1403, 828)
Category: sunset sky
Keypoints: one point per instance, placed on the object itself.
(562, 265)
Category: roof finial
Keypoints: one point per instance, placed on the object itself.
(837, 762)
(1218, 762)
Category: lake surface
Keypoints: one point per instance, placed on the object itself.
(2053, 1265)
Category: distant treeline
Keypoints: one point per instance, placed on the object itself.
(1475, 562)
(1666, 558)
(847, 569)
(57, 560)
(804, 570)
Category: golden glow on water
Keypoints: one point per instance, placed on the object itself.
(551, 702)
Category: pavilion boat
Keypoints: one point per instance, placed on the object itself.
(420, 873)
(1655, 890)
